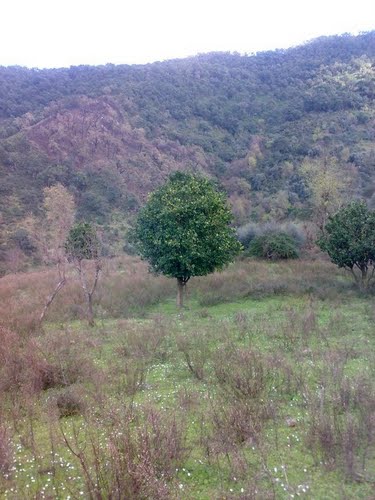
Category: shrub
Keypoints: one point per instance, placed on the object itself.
(70, 402)
(65, 353)
(130, 375)
(250, 278)
(138, 458)
(144, 341)
(196, 351)
(234, 423)
(6, 456)
(274, 247)
(341, 426)
(242, 373)
(247, 233)
(21, 365)
(127, 288)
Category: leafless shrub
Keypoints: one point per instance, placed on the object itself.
(70, 402)
(130, 375)
(196, 348)
(188, 399)
(137, 458)
(299, 326)
(6, 451)
(10, 360)
(287, 376)
(66, 359)
(165, 438)
(242, 405)
(234, 423)
(21, 300)
(242, 373)
(142, 341)
(126, 289)
(20, 363)
(242, 322)
(341, 426)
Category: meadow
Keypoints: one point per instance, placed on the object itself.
(262, 387)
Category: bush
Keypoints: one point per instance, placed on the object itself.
(6, 452)
(70, 402)
(247, 233)
(274, 247)
(65, 360)
(341, 426)
(138, 458)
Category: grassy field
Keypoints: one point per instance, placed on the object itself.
(263, 387)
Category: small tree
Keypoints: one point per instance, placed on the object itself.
(83, 244)
(184, 230)
(349, 240)
(328, 184)
(49, 232)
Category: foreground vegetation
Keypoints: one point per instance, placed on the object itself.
(262, 387)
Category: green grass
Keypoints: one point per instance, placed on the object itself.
(280, 463)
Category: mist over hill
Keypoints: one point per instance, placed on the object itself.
(111, 134)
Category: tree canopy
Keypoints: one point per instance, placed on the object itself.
(82, 242)
(349, 240)
(184, 229)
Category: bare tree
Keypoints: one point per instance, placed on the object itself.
(49, 234)
(82, 245)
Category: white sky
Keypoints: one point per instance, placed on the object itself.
(57, 33)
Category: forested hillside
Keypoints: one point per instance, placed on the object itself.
(111, 134)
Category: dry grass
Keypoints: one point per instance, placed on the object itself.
(258, 279)
(125, 289)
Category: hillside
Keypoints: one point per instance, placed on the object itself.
(111, 134)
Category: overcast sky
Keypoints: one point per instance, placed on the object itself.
(57, 33)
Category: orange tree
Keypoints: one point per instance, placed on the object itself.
(349, 240)
(184, 230)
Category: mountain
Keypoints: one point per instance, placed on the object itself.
(111, 134)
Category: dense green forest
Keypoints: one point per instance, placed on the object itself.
(111, 134)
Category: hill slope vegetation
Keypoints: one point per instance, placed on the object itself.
(111, 134)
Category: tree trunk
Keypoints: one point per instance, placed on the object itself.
(86, 291)
(58, 287)
(364, 278)
(90, 311)
(180, 292)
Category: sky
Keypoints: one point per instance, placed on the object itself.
(62, 33)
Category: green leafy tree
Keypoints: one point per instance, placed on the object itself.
(184, 230)
(81, 245)
(349, 240)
